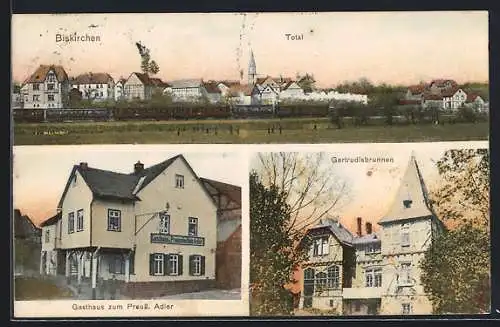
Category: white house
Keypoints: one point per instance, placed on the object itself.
(291, 90)
(453, 99)
(375, 273)
(95, 86)
(120, 89)
(191, 90)
(265, 94)
(154, 229)
(47, 87)
(140, 86)
(213, 91)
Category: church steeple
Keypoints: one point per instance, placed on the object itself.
(252, 70)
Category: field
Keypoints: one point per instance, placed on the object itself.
(35, 289)
(294, 130)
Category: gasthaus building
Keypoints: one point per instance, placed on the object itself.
(373, 272)
(154, 230)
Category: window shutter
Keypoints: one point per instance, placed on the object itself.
(152, 264)
(181, 265)
(203, 265)
(122, 265)
(167, 270)
(191, 265)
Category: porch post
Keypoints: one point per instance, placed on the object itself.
(127, 268)
(80, 267)
(41, 264)
(67, 268)
(94, 268)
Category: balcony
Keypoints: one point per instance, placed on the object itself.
(362, 293)
(177, 239)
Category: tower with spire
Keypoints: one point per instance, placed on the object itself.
(408, 229)
(252, 70)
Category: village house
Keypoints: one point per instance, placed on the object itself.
(154, 229)
(240, 95)
(213, 92)
(225, 87)
(27, 244)
(476, 102)
(265, 94)
(120, 89)
(187, 90)
(140, 86)
(380, 270)
(47, 87)
(94, 86)
(291, 90)
(228, 257)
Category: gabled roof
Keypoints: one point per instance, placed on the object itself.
(92, 78)
(441, 82)
(229, 83)
(336, 228)
(231, 191)
(112, 185)
(23, 226)
(412, 188)
(417, 89)
(212, 87)
(186, 83)
(430, 96)
(40, 74)
(450, 92)
(290, 83)
(471, 97)
(52, 220)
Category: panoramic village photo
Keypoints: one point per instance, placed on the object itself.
(108, 223)
(371, 230)
(262, 78)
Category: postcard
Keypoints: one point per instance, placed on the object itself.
(129, 231)
(370, 229)
(250, 77)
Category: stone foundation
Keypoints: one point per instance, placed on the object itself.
(151, 290)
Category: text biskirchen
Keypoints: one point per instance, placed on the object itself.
(75, 37)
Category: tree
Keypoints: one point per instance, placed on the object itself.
(273, 251)
(148, 66)
(311, 188)
(456, 267)
(456, 271)
(463, 195)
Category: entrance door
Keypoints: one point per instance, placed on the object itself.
(308, 287)
(44, 262)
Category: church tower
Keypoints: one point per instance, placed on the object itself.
(252, 70)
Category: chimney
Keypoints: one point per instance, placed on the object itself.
(358, 231)
(368, 227)
(84, 165)
(138, 167)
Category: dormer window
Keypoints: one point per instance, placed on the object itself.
(164, 223)
(320, 246)
(407, 203)
(179, 181)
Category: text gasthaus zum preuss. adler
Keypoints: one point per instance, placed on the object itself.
(115, 307)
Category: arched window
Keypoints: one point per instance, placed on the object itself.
(333, 277)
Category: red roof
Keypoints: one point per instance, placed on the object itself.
(449, 92)
(471, 97)
(417, 89)
(432, 97)
(211, 87)
(443, 82)
(41, 73)
(92, 78)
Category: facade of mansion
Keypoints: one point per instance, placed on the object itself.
(154, 229)
(373, 272)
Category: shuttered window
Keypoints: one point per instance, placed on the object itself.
(196, 265)
(156, 264)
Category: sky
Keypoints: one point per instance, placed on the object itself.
(372, 187)
(391, 47)
(41, 172)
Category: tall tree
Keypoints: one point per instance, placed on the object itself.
(456, 267)
(148, 66)
(273, 251)
(311, 188)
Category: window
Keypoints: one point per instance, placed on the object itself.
(116, 264)
(372, 248)
(79, 220)
(71, 222)
(331, 303)
(320, 246)
(50, 87)
(197, 265)
(164, 223)
(36, 86)
(51, 77)
(373, 277)
(405, 274)
(357, 306)
(308, 275)
(179, 181)
(333, 277)
(47, 236)
(193, 226)
(406, 308)
(36, 98)
(321, 280)
(407, 203)
(173, 264)
(405, 235)
(158, 265)
(50, 97)
(114, 220)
